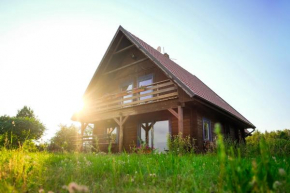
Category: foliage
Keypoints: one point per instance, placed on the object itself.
(22, 171)
(278, 142)
(65, 139)
(18, 129)
(227, 171)
(143, 148)
(25, 112)
(260, 174)
(180, 145)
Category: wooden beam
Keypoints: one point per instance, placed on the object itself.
(135, 110)
(180, 120)
(153, 91)
(152, 123)
(126, 66)
(173, 112)
(124, 49)
(117, 121)
(83, 127)
(109, 60)
(139, 102)
(121, 136)
(121, 123)
(125, 119)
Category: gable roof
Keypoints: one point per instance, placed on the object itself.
(193, 86)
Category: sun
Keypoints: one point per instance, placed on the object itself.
(79, 106)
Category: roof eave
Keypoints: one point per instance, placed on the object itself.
(249, 124)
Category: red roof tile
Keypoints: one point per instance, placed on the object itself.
(190, 83)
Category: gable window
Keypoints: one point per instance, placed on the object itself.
(126, 87)
(143, 82)
(206, 129)
(112, 134)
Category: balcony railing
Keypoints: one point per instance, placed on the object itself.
(156, 92)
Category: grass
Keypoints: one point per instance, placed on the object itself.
(22, 171)
(227, 170)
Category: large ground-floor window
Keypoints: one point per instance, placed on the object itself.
(154, 135)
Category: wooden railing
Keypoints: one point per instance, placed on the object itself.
(155, 92)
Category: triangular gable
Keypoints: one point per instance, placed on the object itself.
(188, 82)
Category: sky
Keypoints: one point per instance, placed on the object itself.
(49, 51)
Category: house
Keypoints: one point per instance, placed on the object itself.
(139, 95)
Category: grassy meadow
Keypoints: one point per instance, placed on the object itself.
(227, 170)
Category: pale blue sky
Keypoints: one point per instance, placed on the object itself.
(49, 51)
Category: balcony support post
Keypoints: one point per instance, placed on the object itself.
(121, 121)
(179, 116)
(83, 127)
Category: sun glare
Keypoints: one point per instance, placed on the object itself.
(79, 106)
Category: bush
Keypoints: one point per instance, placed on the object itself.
(277, 141)
(65, 139)
(19, 129)
(180, 145)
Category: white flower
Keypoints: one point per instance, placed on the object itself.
(282, 172)
(276, 184)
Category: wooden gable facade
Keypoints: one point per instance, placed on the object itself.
(132, 100)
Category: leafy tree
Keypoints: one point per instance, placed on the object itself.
(19, 129)
(25, 112)
(64, 139)
(14, 131)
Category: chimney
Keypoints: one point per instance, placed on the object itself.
(166, 55)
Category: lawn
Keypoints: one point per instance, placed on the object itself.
(22, 171)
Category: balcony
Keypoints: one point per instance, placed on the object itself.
(156, 92)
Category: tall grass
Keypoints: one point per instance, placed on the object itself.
(263, 173)
(230, 170)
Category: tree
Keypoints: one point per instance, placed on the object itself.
(16, 130)
(25, 112)
(64, 139)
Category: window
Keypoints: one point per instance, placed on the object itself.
(154, 136)
(144, 81)
(126, 87)
(206, 130)
(161, 132)
(112, 134)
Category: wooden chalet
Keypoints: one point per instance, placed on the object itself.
(140, 96)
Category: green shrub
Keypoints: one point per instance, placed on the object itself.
(237, 175)
(277, 141)
(180, 145)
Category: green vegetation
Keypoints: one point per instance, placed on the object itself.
(227, 171)
(64, 139)
(14, 131)
(278, 142)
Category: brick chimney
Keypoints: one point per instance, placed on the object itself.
(166, 55)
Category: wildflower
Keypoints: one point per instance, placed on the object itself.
(282, 172)
(276, 184)
(74, 187)
(152, 175)
(40, 190)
